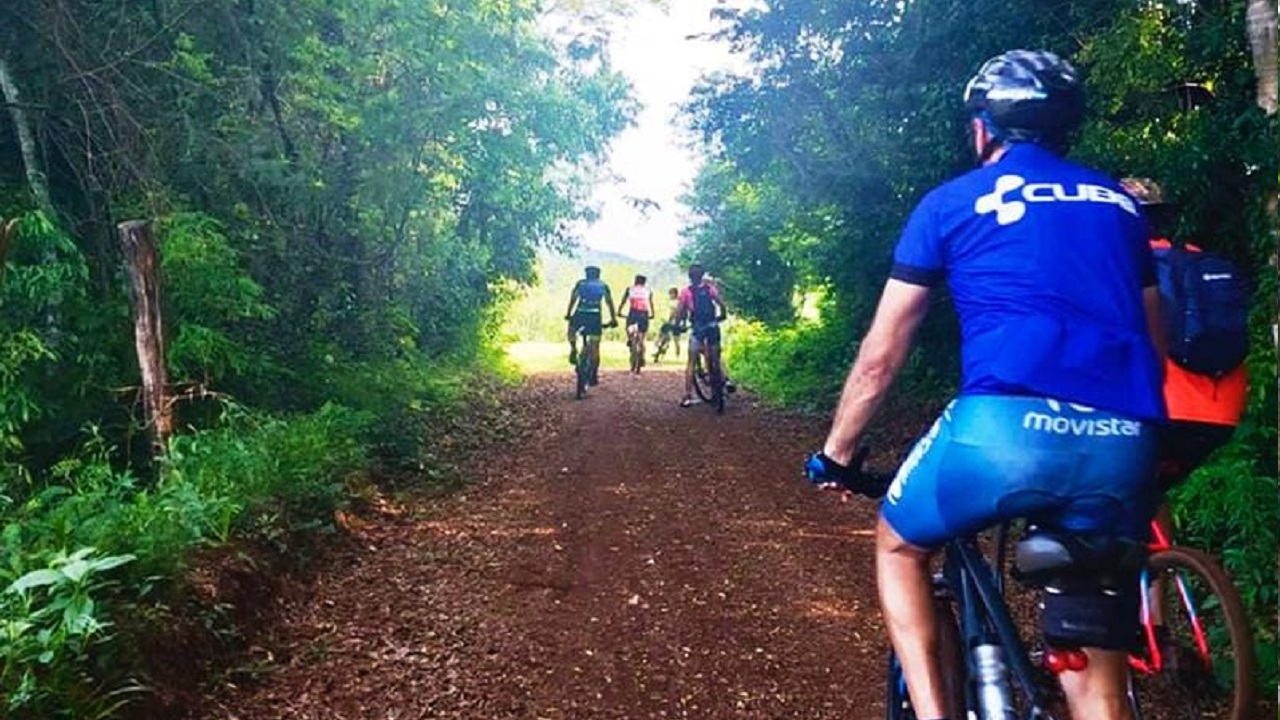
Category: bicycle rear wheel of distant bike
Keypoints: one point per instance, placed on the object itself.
(637, 352)
(585, 368)
(1207, 660)
(952, 660)
(701, 378)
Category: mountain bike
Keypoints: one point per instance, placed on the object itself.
(1196, 659)
(1202, 672)
(708, 375)
(988, 671)
(586, 369)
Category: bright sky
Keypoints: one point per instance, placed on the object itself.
(650, 160)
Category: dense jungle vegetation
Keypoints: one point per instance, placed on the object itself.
(852, 111)
(339, 191)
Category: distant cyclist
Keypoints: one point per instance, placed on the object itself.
(638, 301)
(584, 314)
(700, 304)
(1050, 273)
(668, 331)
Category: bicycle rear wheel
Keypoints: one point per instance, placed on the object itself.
(952, 659)
(637, 353)
(701, 380)
(1207, 659)
(585, 368)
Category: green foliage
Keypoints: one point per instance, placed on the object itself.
(50, 622)
(252, 476)
(207, 293)
(797, 366)
(344, 195)
(52, 352)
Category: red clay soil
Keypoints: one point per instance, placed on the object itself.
(627, 559)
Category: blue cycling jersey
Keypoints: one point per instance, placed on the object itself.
(1046, 261)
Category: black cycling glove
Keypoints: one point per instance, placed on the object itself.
(821, 470)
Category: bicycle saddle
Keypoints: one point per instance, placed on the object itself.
(1047, 554)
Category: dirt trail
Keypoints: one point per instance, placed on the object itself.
(628, 559)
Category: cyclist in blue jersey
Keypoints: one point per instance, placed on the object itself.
(584, 313)
(1053, 281)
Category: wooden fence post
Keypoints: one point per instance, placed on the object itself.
(7, 231)
(148, 329)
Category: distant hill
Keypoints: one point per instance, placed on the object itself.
(538, 312)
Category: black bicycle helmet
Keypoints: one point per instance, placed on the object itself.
(1026, 95)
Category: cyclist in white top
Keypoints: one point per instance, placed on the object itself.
(638, 300)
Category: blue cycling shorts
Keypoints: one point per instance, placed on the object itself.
(992, 458)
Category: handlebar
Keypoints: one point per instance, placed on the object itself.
(823, 471)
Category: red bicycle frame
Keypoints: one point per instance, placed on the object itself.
(1154, 662)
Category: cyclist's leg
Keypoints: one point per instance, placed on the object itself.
(592, 327)
(714, 370)
(904, 582)
(642, 330)
(573, 339)
(1111, 490)
(694, 349)
(1101, 690)
(595, 359)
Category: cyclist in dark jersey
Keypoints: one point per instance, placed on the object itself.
(584, 312)
(1054, 284)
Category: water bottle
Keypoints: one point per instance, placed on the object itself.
(994, 696)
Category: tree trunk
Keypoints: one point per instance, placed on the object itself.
(26, 140)
(1261, 24)
(7, 231)
(148, 327)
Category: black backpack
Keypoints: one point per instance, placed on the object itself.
(704, 308)
(1206, 310)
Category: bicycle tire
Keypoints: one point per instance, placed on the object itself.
(1185, 689)
(953, 666)
(637, 355)
(584, 369)
(701, 381)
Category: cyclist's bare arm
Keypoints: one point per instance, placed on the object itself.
(880, 356)
(608, 301)
(573, 299)
(626, 294)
